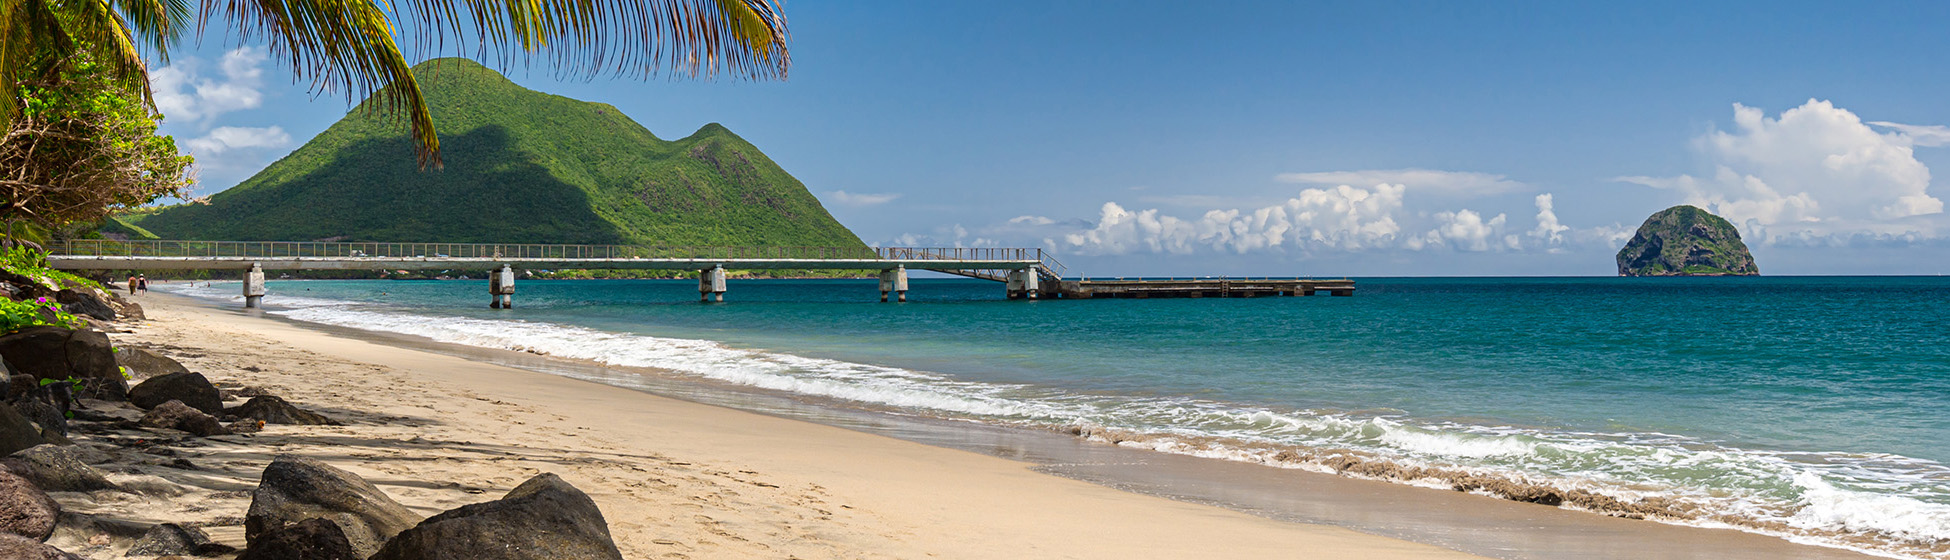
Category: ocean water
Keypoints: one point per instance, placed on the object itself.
(1816, 409)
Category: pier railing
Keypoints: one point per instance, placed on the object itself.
(349, 250)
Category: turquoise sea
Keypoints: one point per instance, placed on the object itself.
(1812, 408)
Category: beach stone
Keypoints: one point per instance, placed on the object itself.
(294, 489)
(16, 547)
(170, 539)
(24, 509)
(21, 384)
(57, 353)
(16, 431)
(311, 539)
(23, 287)
(274, 410)
(189, 387)
(544, 518)
(143, 363)
(175, 415)
(84, 303)
(56, 468)
(38, 411)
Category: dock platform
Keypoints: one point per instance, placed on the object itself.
(1144, 288)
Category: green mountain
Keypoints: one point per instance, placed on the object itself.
(521, 166)
(1686, 241)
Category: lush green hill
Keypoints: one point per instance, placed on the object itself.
(521, 166)
(1686, 241)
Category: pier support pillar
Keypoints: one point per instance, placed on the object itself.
(1024, 283)
(501, 288)
(710, 283)
(254, 286)
(894, 280)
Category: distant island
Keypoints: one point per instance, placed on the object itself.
(522, 166)
(1686, 241)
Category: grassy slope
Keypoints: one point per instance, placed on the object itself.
(521, 166)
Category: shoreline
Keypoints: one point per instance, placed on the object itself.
(1473, 523)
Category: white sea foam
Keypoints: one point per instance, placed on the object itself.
(1827, 498)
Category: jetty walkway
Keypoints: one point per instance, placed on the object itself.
(1027, 273)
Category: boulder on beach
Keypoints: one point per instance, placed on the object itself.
(16, 431)
(58, 353)
(84, 303)
(274, 410)
(16, 547)
(170, 539)
(545, 518)
(189, 387)
(175, 415)
(37, 409)
(311, 539)
(56, 468)
(144, 363)
(294, 489)
(25, 510)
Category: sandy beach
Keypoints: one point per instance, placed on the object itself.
(675, 479)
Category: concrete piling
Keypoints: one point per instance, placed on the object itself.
(501, 288)
(894, 280)
(710, 284)
(254, 287)
(1024, 283)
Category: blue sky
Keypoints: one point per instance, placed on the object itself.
(1415, 138)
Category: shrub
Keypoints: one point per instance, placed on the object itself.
(16, 315)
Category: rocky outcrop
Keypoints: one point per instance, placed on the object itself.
(175, 415)
(24, 509)
(274, 410)
(170, 539)
(84, 303)
(1686, 241)
(295, 489)
(311, 539)
(15, 547)
(543, 519)
(16, 431)
(190, 388)
(56, 468)
(143, 363)
(58, 353)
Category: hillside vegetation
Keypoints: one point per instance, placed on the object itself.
(1686, 241)
(521, 167)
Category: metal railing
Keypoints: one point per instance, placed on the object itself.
(354, 250)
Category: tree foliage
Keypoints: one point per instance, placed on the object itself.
(82, 146)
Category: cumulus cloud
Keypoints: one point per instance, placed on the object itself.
(1456, 183)
(226, 138)
(1343, 217)
(1465, 230)
(1548, 230)
(862, 199)
(186, 93)
(1815, 170)
(1929, 136)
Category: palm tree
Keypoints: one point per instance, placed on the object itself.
(350, 46)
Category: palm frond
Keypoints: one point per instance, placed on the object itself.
(744, 38)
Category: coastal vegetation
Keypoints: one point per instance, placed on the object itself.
(521, 166)
(1686, 241)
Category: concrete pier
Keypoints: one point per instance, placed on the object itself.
(254, 286)
(1024, 283)
(894, 280)
(501, 288)
(710, 284)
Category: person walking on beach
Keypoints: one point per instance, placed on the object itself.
(142, 283)
(131, 284)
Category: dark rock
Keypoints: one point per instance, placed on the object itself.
(169, 539)
(24, 509)
(56, 468)
(274, 410)
(25, 288)
(189, 387)
(58, 353)
(544, 518)
(175, 415)
(47, 416)
(84, 303)
(15, 547)
(16, 431)
(311, 539)
(245, 426)
(143, 363)
(294, 489)
(21, 384)
(1686, 241)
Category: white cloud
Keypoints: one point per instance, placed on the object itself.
(1814, 171)
(1031, 220)
(185, 95)
(862, 199)
(1926, 136)
(1465, 230)
(1344, 217)
(1457, 183)
(1548, 230)
(226, 138)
